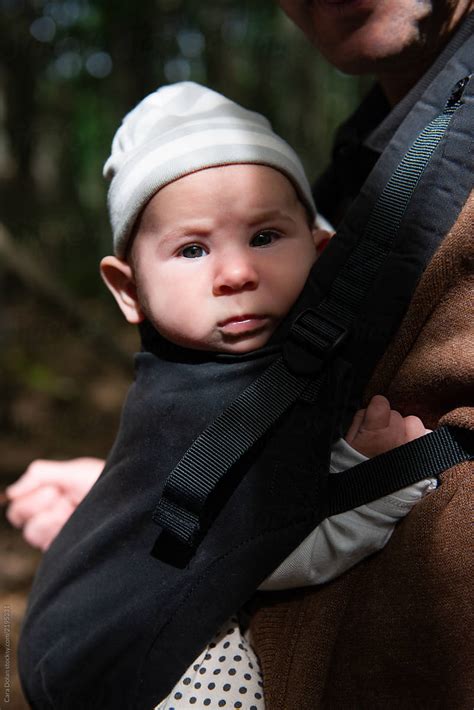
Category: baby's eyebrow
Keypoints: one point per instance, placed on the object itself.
(184, 232)
(268, 215)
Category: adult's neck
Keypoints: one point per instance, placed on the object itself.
(396, 86)
(397, 83)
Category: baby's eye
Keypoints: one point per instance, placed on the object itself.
(262, 239)
(193, 251)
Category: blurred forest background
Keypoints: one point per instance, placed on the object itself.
(69, 71)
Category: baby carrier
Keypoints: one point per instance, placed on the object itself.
(220, 465)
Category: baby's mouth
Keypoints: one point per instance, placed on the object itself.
(249, 322)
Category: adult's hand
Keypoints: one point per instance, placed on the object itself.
(46, 495)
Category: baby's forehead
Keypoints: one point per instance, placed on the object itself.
(243, 194)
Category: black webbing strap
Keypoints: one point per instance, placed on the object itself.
(355, 278)
(313, 338)
(425, 457)
(221, 445)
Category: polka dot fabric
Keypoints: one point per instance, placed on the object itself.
(225, 675)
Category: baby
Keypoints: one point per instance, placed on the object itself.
(215, 233)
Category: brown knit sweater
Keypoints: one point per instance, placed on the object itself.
(397, 631)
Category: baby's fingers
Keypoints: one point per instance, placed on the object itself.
(414, 428)
(377, 414)
(396, 429)
(355, 426)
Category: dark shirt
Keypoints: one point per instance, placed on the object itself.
(364, 136)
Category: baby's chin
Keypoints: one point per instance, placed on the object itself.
(239, 345)
(242, 348)
(232, 345)
(220, 342)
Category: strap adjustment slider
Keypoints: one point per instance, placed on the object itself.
(312, 340)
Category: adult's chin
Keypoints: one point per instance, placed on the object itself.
(372, 49)
(361, 58)
(367, 36)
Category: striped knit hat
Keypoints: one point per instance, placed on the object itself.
(178, 130)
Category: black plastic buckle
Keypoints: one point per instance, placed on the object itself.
(312, 340)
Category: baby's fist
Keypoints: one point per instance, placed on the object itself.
(379, 428)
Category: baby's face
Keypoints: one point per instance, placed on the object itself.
(221, 255)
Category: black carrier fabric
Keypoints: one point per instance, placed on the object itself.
(109, 623)
(117, 611)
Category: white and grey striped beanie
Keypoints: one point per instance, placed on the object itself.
(177, 130)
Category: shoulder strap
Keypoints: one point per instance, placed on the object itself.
(425, 457)
(314, 337)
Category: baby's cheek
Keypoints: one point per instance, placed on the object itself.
(293, 286)
(188, 323)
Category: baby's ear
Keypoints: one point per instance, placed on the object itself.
(118, 276)
(321, 238)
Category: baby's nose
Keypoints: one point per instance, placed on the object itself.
(235, 274)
